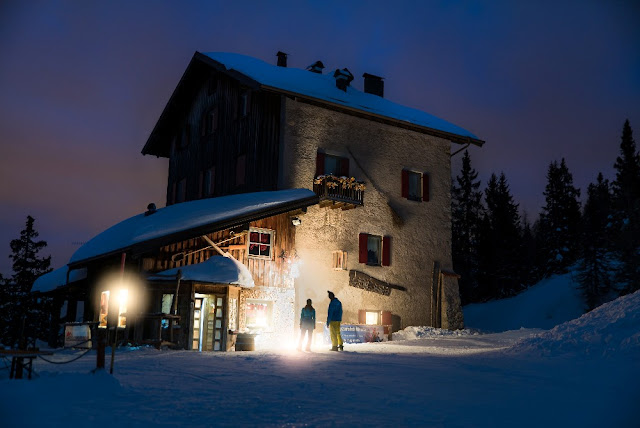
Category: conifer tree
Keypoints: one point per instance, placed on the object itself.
(626, 201)
(529, 273)
(559, 227)
(500, 241)
(595, 267)
(466, 209)
(27, 266)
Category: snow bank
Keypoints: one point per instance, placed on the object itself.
(550, 302)
(611, 329)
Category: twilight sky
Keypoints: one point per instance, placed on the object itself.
(83, 83)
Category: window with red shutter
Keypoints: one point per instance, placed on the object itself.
(412, 185)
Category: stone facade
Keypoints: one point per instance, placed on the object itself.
(420, 231)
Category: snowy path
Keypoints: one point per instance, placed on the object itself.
(446, 381)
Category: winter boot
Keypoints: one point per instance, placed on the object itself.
(341, 348)
(334, 348)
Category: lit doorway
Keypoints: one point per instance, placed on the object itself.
(208, 322)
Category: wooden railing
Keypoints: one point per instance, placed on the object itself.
(339, 189)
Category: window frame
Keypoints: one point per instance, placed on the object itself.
(342, 163)
(421, 194)
(271, 244)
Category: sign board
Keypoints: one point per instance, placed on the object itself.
(358, 333)
(77, 336)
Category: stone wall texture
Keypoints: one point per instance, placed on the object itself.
(377, 154)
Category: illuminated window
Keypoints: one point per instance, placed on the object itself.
(259, 314)
(372, 317)
(260, 243)
(339, 261)
(104, 309)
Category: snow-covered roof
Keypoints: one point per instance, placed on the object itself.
(323, 87)
(216, 270)
(187, 216)
(57, 278)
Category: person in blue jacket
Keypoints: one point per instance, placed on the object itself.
(307, 325)
(334, 317)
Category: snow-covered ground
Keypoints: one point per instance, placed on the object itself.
(583, 373)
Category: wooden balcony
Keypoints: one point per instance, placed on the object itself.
(339, 192)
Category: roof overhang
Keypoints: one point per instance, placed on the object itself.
(148, 245)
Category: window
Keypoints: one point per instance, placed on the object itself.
(167, 302)
(372, 317)
(245, 100)
(374, 250)
(258, 314)
(209, 121)
(415, 185)
(374, 244)
(260, 243)
(331, 165)
(209, 181)
(339, 261)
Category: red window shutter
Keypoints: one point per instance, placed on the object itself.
(362, 316)
(344, 167)
(386, 317)
(425, 187)
(319, 164)
(364, 237)
(386, 251)
(405, 183)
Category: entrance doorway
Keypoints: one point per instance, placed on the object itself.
(208, 322)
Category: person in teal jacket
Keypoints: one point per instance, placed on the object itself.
(334, 317)
(307, 325)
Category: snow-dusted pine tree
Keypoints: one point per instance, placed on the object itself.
(17, 310)
(466, 213)
(595, 268)
(559, 224)
(626, 202)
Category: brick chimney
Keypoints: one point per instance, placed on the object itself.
(373, 84)
(282, 59)
(343, 78)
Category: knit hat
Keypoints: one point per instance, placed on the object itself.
(331, 295)
(308, 301)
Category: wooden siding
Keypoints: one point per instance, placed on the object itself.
(266, 272)
(254, 135)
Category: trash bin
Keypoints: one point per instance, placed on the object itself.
(245, 342)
